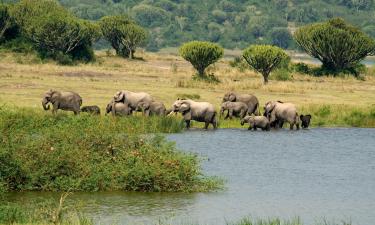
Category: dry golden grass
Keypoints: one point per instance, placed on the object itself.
(24, 79)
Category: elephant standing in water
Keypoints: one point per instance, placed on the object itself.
(256, 122)
(153, 108)
(198, 111)
(283, 112)
(69, 101)
(132, 99)
(250, 100)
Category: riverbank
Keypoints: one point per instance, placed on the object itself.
(331, 100)
(41, 152)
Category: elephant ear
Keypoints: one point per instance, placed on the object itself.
(184, 107)
(272, 116)
(119, 97)
(232, 97)
(309, 116)
(301, 116)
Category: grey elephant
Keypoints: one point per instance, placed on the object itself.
(282, 112)
(250, 100)
(69, 101)
(92, 109)
(237, 109)
(118, 109)
(153, 108)
(198, 111)
(257, 122)
(132, 99)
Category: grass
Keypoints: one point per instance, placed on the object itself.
(167, 77)
(41, 152)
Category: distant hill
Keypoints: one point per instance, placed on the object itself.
(232, 23)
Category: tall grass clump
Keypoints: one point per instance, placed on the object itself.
(42, 152)
(277, 221)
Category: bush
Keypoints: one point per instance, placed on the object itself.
(123, 34)
(86, 153)
(201, 54)
(281, 75)
(265, 58)
(302, 68)
(338, 45)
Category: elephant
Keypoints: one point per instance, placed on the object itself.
(69, 101)
(118, 109)
(153, 108)
(250, 100)
(275, 124)
(198, 111)
(93, 109)
(305, 120)
(237, 109)
(257, 122)
(132, 99)
(282, 112)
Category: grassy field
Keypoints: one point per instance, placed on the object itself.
(332, 101)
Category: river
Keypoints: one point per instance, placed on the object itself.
(316, 174)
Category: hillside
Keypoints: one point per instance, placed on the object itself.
(232, 23)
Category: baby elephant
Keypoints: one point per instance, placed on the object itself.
(93, 109)
(257, 122)
(237, 109)
(152, 108)
(305, 119)
(118, 109)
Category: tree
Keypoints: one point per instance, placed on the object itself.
(338, 45)
(264, 58)
(280, 37)
(201, 54)
(5, 21)
(123, 34)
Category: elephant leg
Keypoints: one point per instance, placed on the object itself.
(230, 113)
(291, 126)
(250, 127)
(255, 128)
(214, 123)
(297, 126)
(187, 124)
(206, 124)
(226, 117)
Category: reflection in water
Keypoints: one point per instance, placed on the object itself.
(314, 174)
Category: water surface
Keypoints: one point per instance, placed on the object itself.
(313, 174)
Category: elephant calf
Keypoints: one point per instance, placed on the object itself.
(198, 111)
(118, 109)
(237, 109)
(256, 122)
(153, 108)
(93, 109)
(305, 119)
(69, 101)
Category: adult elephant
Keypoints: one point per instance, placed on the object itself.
(250, 100)
(133, 99)
(69, 101)
(198, 111)
(282, 111)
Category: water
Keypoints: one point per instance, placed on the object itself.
(313, 174)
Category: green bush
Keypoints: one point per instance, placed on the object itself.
(85, 153)
(201, 54)
(302, 68)
(338, 45)
(123, 34)
(281, 75)
(265, 58)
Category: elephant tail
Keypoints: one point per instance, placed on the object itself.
(256, 111)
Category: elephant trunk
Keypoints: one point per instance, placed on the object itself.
(44, 104)
(221, 111)
(242, 122)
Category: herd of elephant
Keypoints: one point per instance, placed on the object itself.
(244, 106)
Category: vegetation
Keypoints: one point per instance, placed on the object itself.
(264, 58)
(201, 55)
(51, 29)
(233, 24)
(86, 153)
(123, 34)
(339, 46)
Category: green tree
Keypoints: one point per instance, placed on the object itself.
(201, 54)
(123, 34)
(338, 45)
(264, 58)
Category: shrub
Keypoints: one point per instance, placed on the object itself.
(123, 34)
(85, 153)
(338, 45)
(302, 68)
(281, 75)
(201, 54)
(265, 58)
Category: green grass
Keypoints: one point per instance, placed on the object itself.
(42, 152)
